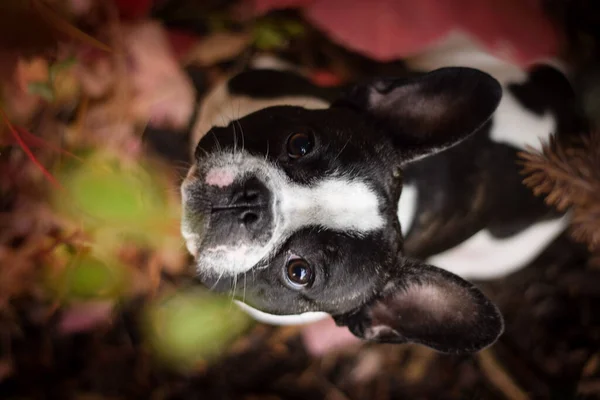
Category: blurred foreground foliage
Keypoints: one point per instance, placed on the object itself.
(88, 216)
(193, 326)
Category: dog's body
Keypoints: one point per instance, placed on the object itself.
(463, 207)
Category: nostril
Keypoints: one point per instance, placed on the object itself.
(249, 218)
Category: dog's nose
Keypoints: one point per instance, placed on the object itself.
(251, 198)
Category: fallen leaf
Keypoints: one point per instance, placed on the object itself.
(164, 94)
(81, 317)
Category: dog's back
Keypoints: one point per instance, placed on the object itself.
(473, 215)
(464, 209)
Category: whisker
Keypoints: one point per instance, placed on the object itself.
(244, 295)
(182, 163)
(233, 291)
(343, 148)
(237, 118)
(212, 132)
(202, 150)
(218, 279)
(267, 154)
(242, 134)
(234, 136)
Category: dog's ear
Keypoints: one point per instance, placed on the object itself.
(428, 113)
(430, 306)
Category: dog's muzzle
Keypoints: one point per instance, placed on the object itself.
(225, 218)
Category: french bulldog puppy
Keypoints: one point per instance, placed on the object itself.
(372, 203)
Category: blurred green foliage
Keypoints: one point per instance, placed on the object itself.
(118, 199)
(87, 277)
(193, 326)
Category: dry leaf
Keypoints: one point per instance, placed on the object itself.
(569, 178)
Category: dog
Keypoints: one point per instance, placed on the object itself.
(373, 203)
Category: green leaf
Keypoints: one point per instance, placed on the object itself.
(90, 278)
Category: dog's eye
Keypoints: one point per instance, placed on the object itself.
(299, 273)
(299, 145)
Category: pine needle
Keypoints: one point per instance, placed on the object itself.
(28, 151)
(62, 25)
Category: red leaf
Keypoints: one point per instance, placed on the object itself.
(325, 78)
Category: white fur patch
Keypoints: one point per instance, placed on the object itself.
(460, 50)
(407, 207)
(191, 238)
(484, 257)
(219, 108)
(515, 125)
(269, 61)
(512, 123)
(340, 204)
(298, 319)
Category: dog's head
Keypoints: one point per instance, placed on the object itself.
(295, 210)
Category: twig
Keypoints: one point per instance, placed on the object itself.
(499, 377)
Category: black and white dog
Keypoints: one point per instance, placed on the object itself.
(372, 204)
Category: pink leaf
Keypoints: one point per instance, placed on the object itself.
(85, 316)
(325, 336)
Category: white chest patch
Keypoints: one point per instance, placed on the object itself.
(516, 126)
(484, 257)
(407, 207)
